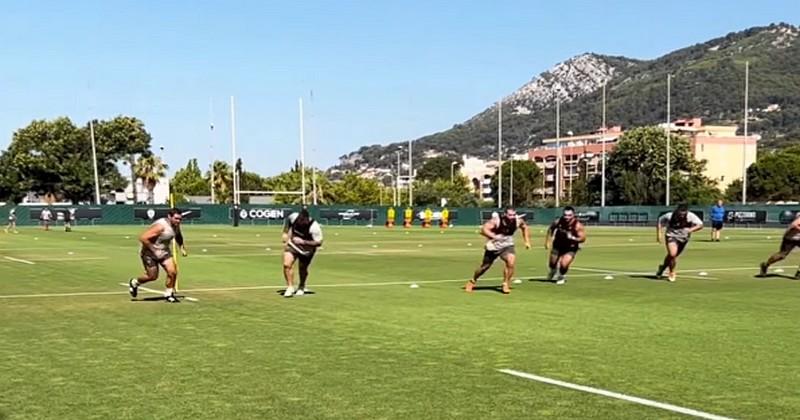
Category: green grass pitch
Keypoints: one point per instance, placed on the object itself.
(367, 346)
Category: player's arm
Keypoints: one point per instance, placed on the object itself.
(548, 235)
(179, 241)
(148, 238)
(697, 223)
(526, 233)
(287, 224)
(581, 231)
(486, 230)
(659, 229)
(316, 236)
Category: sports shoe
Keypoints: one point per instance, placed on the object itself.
(671, 277)
(300, 292)
(506, 288)
(762, 272)
(173, 299)
(561, 280)
(660, 271)
(133, 290)
(551, 275)
(797, 275)
(289, 292)
(469, 286)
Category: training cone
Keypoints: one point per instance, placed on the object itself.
(517, 281)
(205, 250)
(779, 270)
(608, 277)
(469, 244)
(703, 274)
(414, 286)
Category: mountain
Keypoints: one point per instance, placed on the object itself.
(707, 81)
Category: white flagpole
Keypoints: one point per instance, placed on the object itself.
(94, 161)
(669, 163)
(211, 147)
(603, 176)
(410, 176)
(744, 142)
(233, 151)
(313, 167)
(302, 154)
(499, 154)
(558, 152)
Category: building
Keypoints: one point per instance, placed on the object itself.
(725, 153)
(480, 173)
(574, 151)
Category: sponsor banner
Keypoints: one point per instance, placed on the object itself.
(437, 215)
(788, 216)
(746, 216)
(347, 214)
(526, 214)
(588, 216)
(69, 213)
(262, 213)
(157, 213)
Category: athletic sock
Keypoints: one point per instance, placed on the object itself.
(169, 291)
(135, 282)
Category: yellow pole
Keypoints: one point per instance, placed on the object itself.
(174, 244)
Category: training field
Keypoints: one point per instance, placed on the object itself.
(368, 346)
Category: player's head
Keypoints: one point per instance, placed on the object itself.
(303, 217)
(174, 216)
(568, 214)
(510, 213)
(681, 212)
(719, 202)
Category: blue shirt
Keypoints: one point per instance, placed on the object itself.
(718, 214)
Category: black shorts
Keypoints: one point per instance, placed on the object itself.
(559, 252)
(150, 261)
(788, 245)
(717, 225)
(490, 256)
(681, 244)
(304, 259)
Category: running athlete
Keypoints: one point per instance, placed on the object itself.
(791, 240)
(12, 221)
(302, 235)
(46, 215)
(155, 252)
(499, 232)
(680, 224)
(563, 240)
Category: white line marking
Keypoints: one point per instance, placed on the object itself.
(19, 260)
(157, 292)
(639, 273)
(611, 394)
(46, 295)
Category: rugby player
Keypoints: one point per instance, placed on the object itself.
(791, 240)
(563, 240)
(499, 232)
(680, 224)
(302, 235)
(155, 252)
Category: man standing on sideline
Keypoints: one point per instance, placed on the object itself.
(12, 221)
(717, 220)
(499, 232)
(791, 240)
(564, 238)
(680, 224)
(46, 215)
(155, 252)
(302, 235)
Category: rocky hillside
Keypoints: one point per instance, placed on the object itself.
(708, 81)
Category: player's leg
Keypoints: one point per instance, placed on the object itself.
(510, 260)
(172, 278)
(486, 264)
(552, 263)
(564, 262)
(786, 248)
(674, 249)
(150, 274)
(303, 264)
(288, 272)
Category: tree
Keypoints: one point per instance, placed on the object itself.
(527, 180)
(121, 139)
(457, 193)
(150, 169)
(190, 181)
(356, 190)
(223, 181)
(581, 190)
(773, 177)
(437, 168)
(636, 170)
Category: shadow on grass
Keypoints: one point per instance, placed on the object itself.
(775, 276)
(652, 277)
(543, 280)
(498, 289)
(282, 291)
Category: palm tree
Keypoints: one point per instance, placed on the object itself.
(223, 181)
(150, 169)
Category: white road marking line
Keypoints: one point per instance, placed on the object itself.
(19, 260)
(611, 394)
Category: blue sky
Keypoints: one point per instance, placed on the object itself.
(380, 71)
